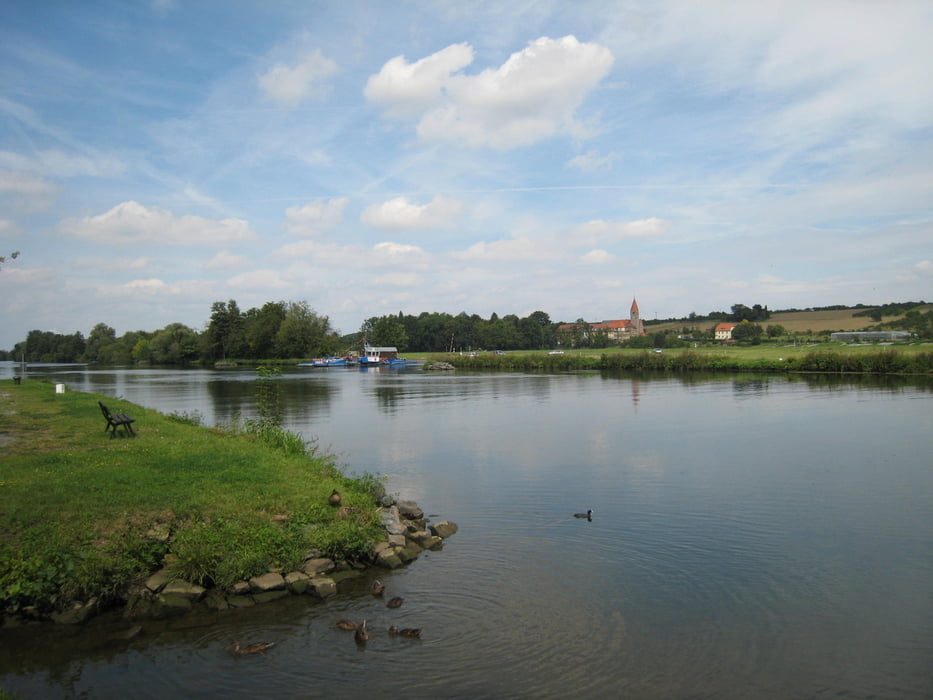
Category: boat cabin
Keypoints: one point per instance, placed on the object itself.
(376, 355)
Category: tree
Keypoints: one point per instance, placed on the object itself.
(748, 332)
(389, 331)
(260, 328)
(776, 330)
(224, 337)
(174, 345)
(304, 332)
(100, 338)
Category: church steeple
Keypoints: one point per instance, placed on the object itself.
(635, 319)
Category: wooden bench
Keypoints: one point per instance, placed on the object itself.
(117, 420)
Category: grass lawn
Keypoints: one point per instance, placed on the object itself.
(79, 509)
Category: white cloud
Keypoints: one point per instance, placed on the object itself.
(314, 218)
(519, 249)
(131, 222)
(225, 260)
(18, 183)
(258, 280)
(532, 96)
(597, 256)
(55, 163)
(600, 230)
(406, 89)
(400, 214)
(924, 267)
(291, 85)
(591, 161)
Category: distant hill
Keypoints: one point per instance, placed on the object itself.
(801, 321)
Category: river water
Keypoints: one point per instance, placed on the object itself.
(752, 537)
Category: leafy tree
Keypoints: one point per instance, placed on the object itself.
(176, 344)
(224, 337)
(303, 331)
(748, 332)
(389, 331)
(776, 330)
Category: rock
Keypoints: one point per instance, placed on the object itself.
(439, 366)
(396, 540)
(240, 601)
(409, 552)
(266, 582)
(269, 596)
(125, 635)
(297, 582)
(183, 589)
(215, 600)
(444, 529)
(172, 604)
(319, 565)
(240, 588)
(160, 532)
(323, 586)
(391, 520)
(409, 510)
(156, 582)
(388, 558)
(78, 613)
(433, 543)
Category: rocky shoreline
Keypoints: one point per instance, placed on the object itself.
(408, 534)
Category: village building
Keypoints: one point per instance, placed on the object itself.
(723, 331)
(617, 331)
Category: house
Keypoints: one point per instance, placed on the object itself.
(617, 331)
(723, 331)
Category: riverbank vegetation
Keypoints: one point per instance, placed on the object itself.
(83, 515)
(908, 359)
(287, 332)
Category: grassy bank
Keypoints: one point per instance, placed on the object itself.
(84, 515)
(828, 358)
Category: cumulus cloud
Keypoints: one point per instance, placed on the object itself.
(532, 96)
(600, 230)
(314, 218)
(291, 85)
(225, 260)
(131, 222)
(406, 89)
(520, 249)
(399, 214)
(597, 256)
(258, 280)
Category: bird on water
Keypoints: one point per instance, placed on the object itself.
(378, 588)
(254, 648)
(410, 632)
(395, 602)
(361, 635)
(348, 625)
(588, 514)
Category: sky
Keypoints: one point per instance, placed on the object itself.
(371, 158)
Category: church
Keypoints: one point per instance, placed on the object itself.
(617, 331)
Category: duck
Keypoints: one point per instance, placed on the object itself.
(378, 588)
(395, 602)
(361, 635)
(334, 498)
(348, 625)
(588, 514)
(410, 632)
(254, 648)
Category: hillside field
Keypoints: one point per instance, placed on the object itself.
(801, 321)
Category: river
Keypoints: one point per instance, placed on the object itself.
(753, 536)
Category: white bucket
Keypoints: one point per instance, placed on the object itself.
(59, 388)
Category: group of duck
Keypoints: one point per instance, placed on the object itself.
(361, 634)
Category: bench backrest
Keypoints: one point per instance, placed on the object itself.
(104, 410)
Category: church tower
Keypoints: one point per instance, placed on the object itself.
(635, 320)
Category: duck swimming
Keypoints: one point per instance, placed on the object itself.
(410, 632)
(254, 648)
(395, 602)
(361, 635)
(348, 625)
(588, 515)
(378, 588)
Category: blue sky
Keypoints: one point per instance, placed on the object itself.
(507, 157)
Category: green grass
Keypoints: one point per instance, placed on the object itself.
(78, 509)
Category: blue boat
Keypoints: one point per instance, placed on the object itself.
(326, 362)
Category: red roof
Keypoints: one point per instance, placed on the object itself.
(634, 306)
